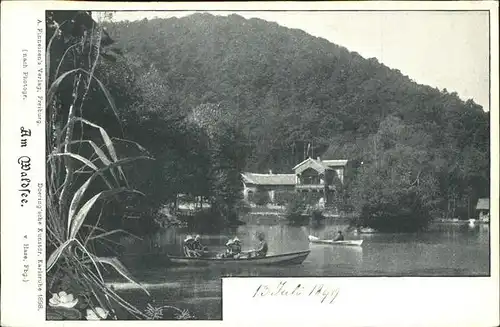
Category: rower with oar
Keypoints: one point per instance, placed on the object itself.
(197, 246)
(262, 248)
(339, 237)
(188, 247)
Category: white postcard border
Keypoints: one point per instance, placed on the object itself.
(361, 301)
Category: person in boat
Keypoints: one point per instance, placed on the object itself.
(227, 253)
(233, 249)
(197, 246)
(236, 248)
(261, 251)
(339, 237)
(188, 247)
(229, 250)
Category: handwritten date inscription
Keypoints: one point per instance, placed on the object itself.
(325, 294)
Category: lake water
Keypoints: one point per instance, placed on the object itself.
(444, 250)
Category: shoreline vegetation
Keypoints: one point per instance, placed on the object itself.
(146, 117)
(85, 174)
(189, 217)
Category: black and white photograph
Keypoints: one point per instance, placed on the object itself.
(184, 147)
(187, 147)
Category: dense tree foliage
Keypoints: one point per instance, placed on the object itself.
(219, 85)
(197, 154)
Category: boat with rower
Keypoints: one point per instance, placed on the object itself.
(293, 258)
(314, 239)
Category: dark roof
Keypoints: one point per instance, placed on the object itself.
(483, 204)
(269, 179)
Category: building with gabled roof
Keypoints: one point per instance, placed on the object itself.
(253, 183)
(311, 175)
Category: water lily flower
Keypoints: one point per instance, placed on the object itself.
(154, 313)
(97, 314)
(184, 315)
(62, 300)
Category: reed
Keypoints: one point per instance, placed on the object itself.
(83, 175)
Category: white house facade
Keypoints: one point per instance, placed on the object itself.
(311, 175)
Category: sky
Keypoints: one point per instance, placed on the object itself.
(441, 49)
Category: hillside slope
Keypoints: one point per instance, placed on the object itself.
(285, 89)
(282, 85)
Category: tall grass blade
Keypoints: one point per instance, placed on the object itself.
(86, 162)
(77, 197)
(51, 92)
(47, 56)
(51, 261)
(98, 151)
(93, 227)
(78, 157)
(120, 268)
(62, 59)
(91, 257)
(101, 155)
(114, 232)
(78, 219)
(110, 100)
(108, 142)
(140, 147)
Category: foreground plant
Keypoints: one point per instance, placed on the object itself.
(97, 314)
(84, 175)
(62, 300)
(155, 313)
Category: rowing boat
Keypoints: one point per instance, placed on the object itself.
(314, 239)
(293, 258)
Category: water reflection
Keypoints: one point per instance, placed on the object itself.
(443, 250)
(443, 245)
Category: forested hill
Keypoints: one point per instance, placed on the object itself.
(284, 89)
(284, 86)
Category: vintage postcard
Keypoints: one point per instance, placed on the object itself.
(258, 163)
